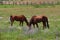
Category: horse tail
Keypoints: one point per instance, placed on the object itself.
(46, 19)
(47, 23)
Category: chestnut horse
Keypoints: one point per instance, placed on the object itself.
(20, 18)
(37, 19)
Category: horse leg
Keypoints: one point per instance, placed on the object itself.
(12, 23)
(22, 23)
(37, 25)
(33, 25)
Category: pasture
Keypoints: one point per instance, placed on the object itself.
(17, 32)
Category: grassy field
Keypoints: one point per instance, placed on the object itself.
(19, 33)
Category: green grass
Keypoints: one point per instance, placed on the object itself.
(34, 5)
(28, 10)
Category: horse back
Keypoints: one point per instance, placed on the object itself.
(19, 18)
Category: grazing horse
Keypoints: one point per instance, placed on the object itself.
(20, 18)
(37, 19)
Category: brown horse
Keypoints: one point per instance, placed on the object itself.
(20, 18)
(37, 19)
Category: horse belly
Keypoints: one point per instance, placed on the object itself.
(39, 20)
(17, 19)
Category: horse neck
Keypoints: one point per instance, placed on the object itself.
(26, 21)
(30, 22)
